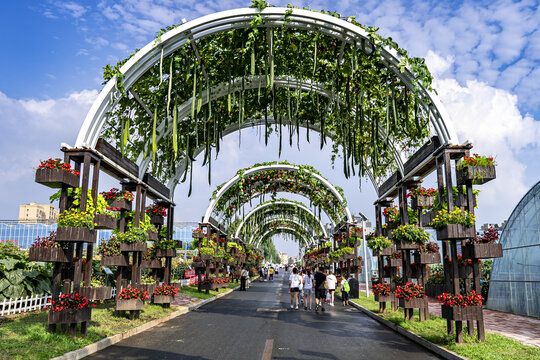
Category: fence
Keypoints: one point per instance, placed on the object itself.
(18, 305)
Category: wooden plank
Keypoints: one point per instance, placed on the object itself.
(421, 155)
(390, 184)
(115, 155)
(155, 184)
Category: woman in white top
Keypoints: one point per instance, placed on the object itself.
(331, 281)
(294, 287)
(308, 290)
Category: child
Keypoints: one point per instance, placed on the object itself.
(345, 288)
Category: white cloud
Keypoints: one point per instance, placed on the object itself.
(72, 8)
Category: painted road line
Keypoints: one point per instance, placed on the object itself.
(267, 353)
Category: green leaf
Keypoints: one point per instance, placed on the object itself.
(4, 284)
(9, 263)
(15, 277)
(14, 291)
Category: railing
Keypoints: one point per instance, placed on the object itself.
(18, 305)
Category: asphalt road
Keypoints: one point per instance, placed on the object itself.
(258, 324)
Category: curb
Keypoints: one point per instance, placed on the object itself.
(111, 340)
(439, 350)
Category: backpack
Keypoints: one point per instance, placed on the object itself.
(346, 286)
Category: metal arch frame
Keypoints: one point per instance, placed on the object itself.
(291, 231)
(223, 21)
(283, 220)
(280, 202)
(254, 170)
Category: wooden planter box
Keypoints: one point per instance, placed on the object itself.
(482, 251)
(70, 316)
(136, 246)
(405, 245)
(395, 262)
(197, 235)
(75, 234)
(465, 271)
(207, 257)
(356, 234)
(349, 257)
(152, 236)
(358, 262)
(163, 299)
(116, 260)
(477, 174)
(166, 253)
(157, 220)
(429, 258)
(434, 290)
(148, 287)
(151, 264)
(455, 232)
(461, 313)
(425, 201)
(208, 286)
(122, 204)
(384, 252)
(133, 304)
(385, 298)
(414, 303)
(197, 264)
(50, 254)
(55, 178)
(427, 218)
(96, 293)
(105, 221)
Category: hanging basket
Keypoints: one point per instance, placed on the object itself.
(152, 236)
(96, 293)
(482, 251)
(477, 174)
(122, 204)
(157, 220)
(455, 232)
(163, 299)
(461, 313)
(75, 234)
(151, 264)
(70, 316)
(414, 303)
(55, 178)
(49, 254)
(429, 258)
(105, 221)
(425, 201)
(166, 253)
(132, 304)
(136, 246)
(115, 260)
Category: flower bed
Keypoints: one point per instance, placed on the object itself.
(409, 237)
(454, 225)
(477, 169)
(411, 296)
(131, 299)
(70, 308)
(461, 307)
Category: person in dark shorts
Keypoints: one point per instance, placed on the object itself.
(320, 289)
(294, 287)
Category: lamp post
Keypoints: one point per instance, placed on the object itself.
(364, 218)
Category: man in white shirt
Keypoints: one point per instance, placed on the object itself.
(331, 280)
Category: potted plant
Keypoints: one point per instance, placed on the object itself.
(48, 250)
(424, 197)
(382, 292)
(391, 217)
(484, 246)
(409, 237)
(71, 308)
(111, 254)
(148, 284)
(166, 248)
(197, 262)
(411, 296)
(380, 245)
(355, 232)
(460, 307)
(395, 259)
(395, 281)
(119, 199)
(54, 173)
(96, 291)
(427, 254)
(157, 214)
(164, 294)
(454, 225)
(75, 226)
(206, 253)
(131, 298)
(150, 261)
(198, 233)
(106, 216)
(477, 168)
(133, 240)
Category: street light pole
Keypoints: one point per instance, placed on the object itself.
(364, 218)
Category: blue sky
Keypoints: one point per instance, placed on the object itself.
(485, 56)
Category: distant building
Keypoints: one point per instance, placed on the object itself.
(497, 227)
(34, 213)
(283, 258)
(293, 260)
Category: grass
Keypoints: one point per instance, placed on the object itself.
(26, 337)
(495, 347)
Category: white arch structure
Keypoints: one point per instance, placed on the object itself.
(224, 21)
(282, 202)
(286, 230)
(257, 169)
(286, 222)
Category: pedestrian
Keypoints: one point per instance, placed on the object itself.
(265, 274)
(331, 281)
(294, 285)
(320, 289)
(271, 271)
(308, 290)
(301, 288)
(243, 279)
(345, 288)
(261, 274)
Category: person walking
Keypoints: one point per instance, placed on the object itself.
(271, 271)
(301, 288)
(320, 289)
(308, 290)
(344, 287)
(331, 281)
(294, 287)
(243, 279)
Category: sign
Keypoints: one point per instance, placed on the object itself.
(189, 273)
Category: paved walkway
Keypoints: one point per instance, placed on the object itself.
(521, 328)
(258, 324)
